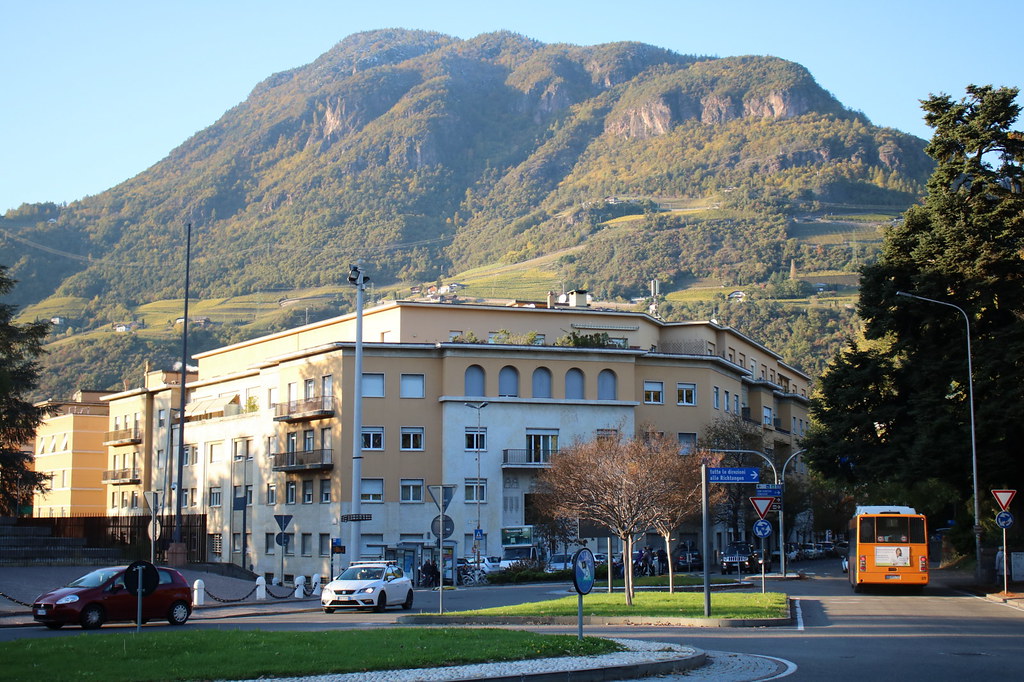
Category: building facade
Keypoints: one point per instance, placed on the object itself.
(473, 396)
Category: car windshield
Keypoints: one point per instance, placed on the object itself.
(362, 573)
(738, 549)
(95, 578)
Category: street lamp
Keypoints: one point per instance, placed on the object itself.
(974, 450)
(782, 507)
(359, 280)
(179, 552)
(476, 442)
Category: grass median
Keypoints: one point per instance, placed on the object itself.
(159, 654)
(657, 604)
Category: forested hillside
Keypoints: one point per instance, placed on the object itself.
(425, 156)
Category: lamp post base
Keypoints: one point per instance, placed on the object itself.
(177, 554)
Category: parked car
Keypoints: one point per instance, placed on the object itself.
(368, 585)
(559, 562)
(689, 560)
(100, 596)
(809, 551)
(741, 557)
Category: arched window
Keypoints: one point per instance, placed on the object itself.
(474, 384)
(508, 382)
(542, 382)
(607, 385)
(574, 384)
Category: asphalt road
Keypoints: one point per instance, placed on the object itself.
(941, 634)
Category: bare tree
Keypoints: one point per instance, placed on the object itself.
(683, 499)
(612, 482)
(732, 433)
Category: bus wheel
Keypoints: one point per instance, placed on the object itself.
(856, 588)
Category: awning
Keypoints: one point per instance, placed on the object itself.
(203, 406)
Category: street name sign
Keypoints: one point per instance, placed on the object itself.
(1003, 498)
(769, 489)
(733, 475)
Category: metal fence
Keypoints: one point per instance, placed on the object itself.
(127, 534)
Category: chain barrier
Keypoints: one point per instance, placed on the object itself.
(229, 601)
(16, 601)
(287, 596)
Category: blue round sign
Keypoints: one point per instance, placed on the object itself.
(1004, 519)
(762, 528)
(583, 571)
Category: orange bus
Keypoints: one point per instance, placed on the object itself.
(888, 546)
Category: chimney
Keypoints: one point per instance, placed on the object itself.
(552, 299)
(578, 298)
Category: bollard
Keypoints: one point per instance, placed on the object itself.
(300, 582)
(261, 588)
(316, 585)
(198, 593)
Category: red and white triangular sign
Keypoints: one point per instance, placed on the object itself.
(1004, 497)
(762, 505)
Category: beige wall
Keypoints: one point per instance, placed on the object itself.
(69, 445)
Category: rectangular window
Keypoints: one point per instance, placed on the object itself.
(161, 417)
(194, 497)
(308, 389)
(715, 397)
(454, 334)
(325, 490)
(371, 490)
(307, 492)
(727, 401)
(307, 544)
(736, 403)
(268, 543)
(215, 451)
(216, 543)
(607, 434)
(767, 415)
(240, 449)
(327, 386)
(184, 497)
(412, 386)
(325, 438)
(289, 549)
(412, 438)
(412, 490)
(236, 542)
(135, 499)
(271, 493)
(215, 496)
(373, 385)
(289, 492)
(248, 496)
(325, 544)
(476, 489)
(541, 443)
(476, 439)
(373, 438)
(687, 442)
(654, 393)
(686, 394)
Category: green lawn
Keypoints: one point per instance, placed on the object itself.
(162, 654)
(680, 604)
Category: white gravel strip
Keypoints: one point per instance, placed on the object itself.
(639, 652)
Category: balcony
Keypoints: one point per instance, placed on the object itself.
(526, 458)
(303, 460)
(122, 476)
(304, 410)
(132, 436)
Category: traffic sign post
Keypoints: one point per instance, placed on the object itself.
(762, 529)
(1004, 520)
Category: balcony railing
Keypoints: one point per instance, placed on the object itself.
(527, 458)
(303, 460)
(305, 409)
(131, 436)
(122, 476)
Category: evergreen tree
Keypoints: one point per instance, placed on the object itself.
(895, 409)
(20, 346)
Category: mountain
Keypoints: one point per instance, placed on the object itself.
(425, 155)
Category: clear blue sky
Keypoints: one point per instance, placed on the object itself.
(95, 92)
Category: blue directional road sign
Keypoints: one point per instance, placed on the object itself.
(733, 475)
(769, 490)
(762, 528)
(1004, 519)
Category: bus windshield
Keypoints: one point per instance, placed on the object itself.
(891, 529)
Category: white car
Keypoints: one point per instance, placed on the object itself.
(368, 585)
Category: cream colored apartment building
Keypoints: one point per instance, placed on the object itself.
(269, 422)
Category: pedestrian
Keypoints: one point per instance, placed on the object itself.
(1000, 561)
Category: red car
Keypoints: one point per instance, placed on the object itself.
(100, 597)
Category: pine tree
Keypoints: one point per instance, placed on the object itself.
(20, 346)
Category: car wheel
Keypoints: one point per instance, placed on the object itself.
(54, 626)
(328, 610)
(382, 603)
(407, 604)
(92, 617)
(178, 613)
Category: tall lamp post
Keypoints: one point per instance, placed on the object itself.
(476, 442)
(179, 552)
(974, 450)
(782, 508)
(357, 278)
